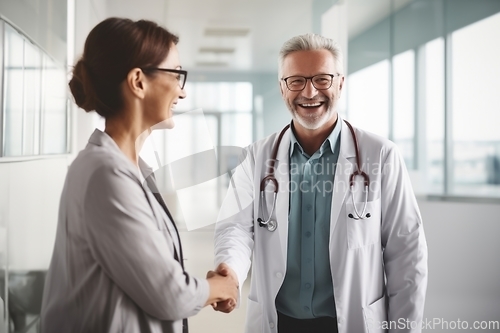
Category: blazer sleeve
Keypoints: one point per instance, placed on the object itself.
(404, 243)
(125, 240)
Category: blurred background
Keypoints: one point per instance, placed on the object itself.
(423, 73)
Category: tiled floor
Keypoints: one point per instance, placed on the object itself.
(199, 254)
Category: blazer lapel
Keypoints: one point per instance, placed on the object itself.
(149, 175)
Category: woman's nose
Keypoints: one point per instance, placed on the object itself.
(182, 94)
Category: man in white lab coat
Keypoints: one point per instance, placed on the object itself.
(329, 257)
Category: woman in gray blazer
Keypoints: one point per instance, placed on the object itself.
(117, 261)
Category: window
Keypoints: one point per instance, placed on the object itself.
(403, 98)
(444, 109)
(475, 105)
(32, 101)
(218, 96)
(35, 99)
(210, 122)
(434, 115)
(13, 96)
(368, 98)
(54, 115)
(230, 102)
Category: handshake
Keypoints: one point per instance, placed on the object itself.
(224, 287)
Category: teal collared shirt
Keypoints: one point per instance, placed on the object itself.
(307, 291)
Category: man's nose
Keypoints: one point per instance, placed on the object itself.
(309, 90)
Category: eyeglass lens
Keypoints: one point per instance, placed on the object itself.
(182, 80)
(320, 82)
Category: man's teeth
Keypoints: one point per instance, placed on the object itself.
(310, 105)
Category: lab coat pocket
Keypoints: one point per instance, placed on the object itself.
(375, 316)
(363, 232)
(254, 316)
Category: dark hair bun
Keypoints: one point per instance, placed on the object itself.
(112, 48)
(81, 87)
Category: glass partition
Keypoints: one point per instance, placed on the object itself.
(34, 122)
(34, 111)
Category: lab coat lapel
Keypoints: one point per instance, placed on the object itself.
(345, 167)
(282, 202)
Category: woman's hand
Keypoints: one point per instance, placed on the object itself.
(223, 288)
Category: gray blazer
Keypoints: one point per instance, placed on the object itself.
(113, 267)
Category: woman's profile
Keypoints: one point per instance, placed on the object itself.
(117, 260)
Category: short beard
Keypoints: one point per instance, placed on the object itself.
(311, 123)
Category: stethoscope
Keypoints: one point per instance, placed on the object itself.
(271, 223)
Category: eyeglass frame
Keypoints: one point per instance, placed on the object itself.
(332, 76)
(177, 71)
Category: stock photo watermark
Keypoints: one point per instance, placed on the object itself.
(202, 171)
(433, 324)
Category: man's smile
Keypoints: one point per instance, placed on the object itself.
(311, 105)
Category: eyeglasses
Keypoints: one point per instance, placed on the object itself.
(319, 81)
(181, 77)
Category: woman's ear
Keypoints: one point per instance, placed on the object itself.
(136, 82)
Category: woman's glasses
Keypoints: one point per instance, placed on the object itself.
(182, 74)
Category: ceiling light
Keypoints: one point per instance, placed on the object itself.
(216, 50)
(211, 64)
(227, 32)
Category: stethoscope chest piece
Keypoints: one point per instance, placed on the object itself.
(272, 225)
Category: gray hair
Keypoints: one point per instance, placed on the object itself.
(310, 42)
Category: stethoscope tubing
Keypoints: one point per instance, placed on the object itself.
(359, 216)
(271, 224)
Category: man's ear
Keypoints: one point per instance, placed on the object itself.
(341, 84)
(281, 89)
(136, 82)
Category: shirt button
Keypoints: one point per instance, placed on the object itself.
(308, 260)
(309, 207)
(306, 308)
(308, 234)
(279, 275)
(308, 285)
(271, 325)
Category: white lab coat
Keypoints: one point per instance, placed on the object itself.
(378, 265)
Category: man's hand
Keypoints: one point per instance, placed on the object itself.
(229, 304)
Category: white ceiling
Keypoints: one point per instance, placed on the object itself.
(269, 23)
